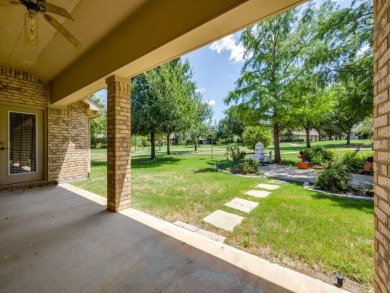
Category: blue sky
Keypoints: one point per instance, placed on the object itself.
(216, 67)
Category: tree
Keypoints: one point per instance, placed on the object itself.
(355, 93)
(203, 113)
(163, 101)
(279, 52)
(312, 105)
(98, 125)
(255, 134)
(230, 126)
(177, 96)
(145, 110)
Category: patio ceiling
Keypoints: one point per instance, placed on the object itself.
(121, 37)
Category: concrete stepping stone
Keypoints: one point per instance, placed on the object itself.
(258, 193)
(195, 229)
(280, 182)
(242, 205)
(223, 220)
(268, 186)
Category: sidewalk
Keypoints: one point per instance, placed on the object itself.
(308, 175)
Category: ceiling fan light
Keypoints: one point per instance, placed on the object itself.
(31, 27)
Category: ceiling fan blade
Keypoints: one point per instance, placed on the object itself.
(31, 27)
(63, 31)
(55, 9)
(9, 3)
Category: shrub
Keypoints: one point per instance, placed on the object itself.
(255, 134)
(353, 161)
(298, 140)
(318, 155)
(334, 177)
(249, 166)
(235, 154)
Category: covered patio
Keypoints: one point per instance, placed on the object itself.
(53, 239)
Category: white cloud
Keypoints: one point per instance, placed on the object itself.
(210, 102)
(229, 44)
(201, 90)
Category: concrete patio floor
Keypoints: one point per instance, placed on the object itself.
(54, 239)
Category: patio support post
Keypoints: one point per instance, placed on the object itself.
(118, 143)
(382, 144)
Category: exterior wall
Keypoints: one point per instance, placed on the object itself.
(22, 89)
(382, 144)
(67, 129)
(68, 143)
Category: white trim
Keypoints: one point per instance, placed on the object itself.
(36, 144)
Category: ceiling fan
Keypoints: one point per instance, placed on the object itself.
(31, 19)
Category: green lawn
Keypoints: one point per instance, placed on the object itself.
(296, 227)
(290, 150)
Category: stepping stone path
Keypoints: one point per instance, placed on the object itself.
(242, 205)
(268, 186)
(227, 221)
(258, 193)
(223, 220)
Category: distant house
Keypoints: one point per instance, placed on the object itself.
(301, 134)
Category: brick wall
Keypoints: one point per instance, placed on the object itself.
(20, 87)
(68, 142)
(381, 144)
(68, 139)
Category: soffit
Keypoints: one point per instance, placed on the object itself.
(93, 19)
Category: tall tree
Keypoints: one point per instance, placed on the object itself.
(278, 51)
(145, 110)
(203, 113)
(230, 126)
(163, 101)
(177, 97)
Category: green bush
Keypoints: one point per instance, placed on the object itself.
(249, 166)
(298, 140)
(255, 134)
(235, 154)
(355, 161)
(318, 155)
(334, 177)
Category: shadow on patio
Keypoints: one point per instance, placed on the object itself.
(54, 240)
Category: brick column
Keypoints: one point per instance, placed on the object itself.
(382, 144)
(118, 143)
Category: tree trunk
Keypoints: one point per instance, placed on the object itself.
(135, 145)
(168, 145)
(159, 145)
(307, 137)
(153, 146)
(349, 137)
(276, 143)
(196, 144)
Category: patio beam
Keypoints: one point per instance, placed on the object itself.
(156, 33)
(118, 143)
